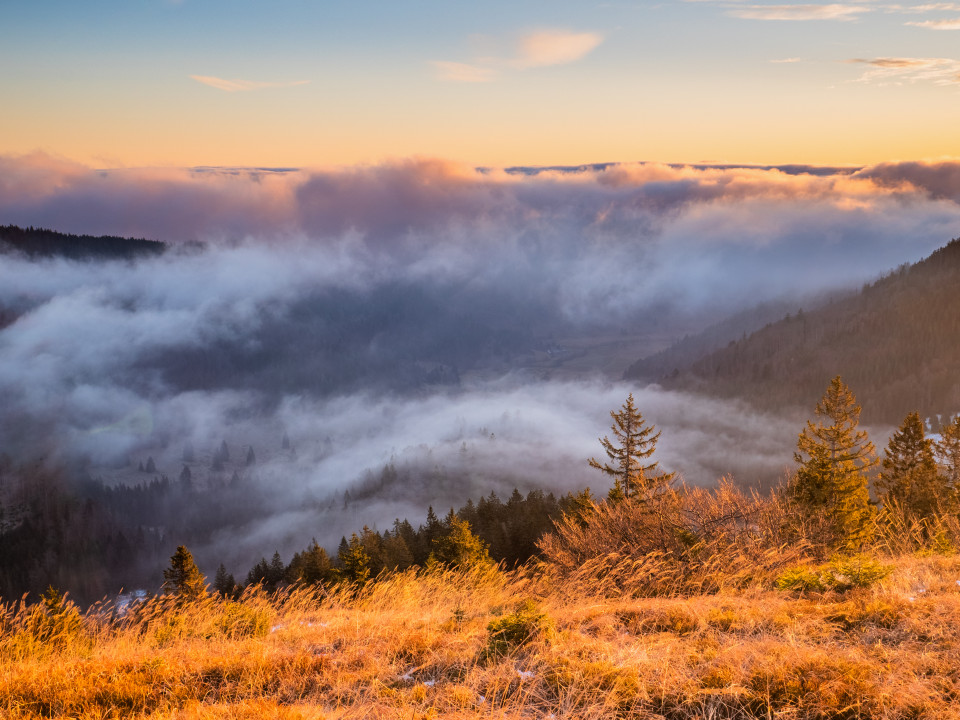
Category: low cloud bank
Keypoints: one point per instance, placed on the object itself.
(379, 315)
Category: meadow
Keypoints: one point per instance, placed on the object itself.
(489, 643)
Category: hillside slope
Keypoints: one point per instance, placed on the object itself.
(896, 343)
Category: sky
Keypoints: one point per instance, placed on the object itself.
(147, 83)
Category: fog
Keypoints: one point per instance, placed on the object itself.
(391, 315)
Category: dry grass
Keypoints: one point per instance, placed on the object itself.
(419, 646)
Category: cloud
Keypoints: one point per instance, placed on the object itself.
(938, 24)
(243, 85)
(541, 48)
(414, 312)
(555, 47)
(895, 70)
(787, 60)
(576, 240)
(463, 72)
(925, 8)
(799, 12)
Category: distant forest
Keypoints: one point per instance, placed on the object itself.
(39, 243)
(95, 540)
(896, 342)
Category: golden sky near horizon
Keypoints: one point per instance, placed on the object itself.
(190, 83)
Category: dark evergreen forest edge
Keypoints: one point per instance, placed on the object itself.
(39, 243)
(897, 341)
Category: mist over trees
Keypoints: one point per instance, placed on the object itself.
(171, 401)
(897, 340)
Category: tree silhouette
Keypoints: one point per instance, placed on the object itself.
(183, 577)
(635, 443)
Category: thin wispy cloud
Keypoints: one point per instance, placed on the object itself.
(929, 7)
(799, 12)
(782, 61)
(463, 72)
(242, 85)
(541, 48)
(898, 70)
(555, 47)
(938, 24)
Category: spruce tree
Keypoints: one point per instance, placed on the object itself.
(223, 582)
(635, 443)
(354, 561)
(948, 454)
(909, 477)
(311, 567)
(459, 547)
(183, 577)
(834, 457)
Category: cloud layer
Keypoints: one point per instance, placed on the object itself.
(620, 236)
(388, 313)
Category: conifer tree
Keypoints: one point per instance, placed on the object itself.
(277, 571)
(909, 476)
(834, 457)
(312, 566)
(354, 561)
(635, 443)
(223, 582)
(459, 547)
(183, 577)
(948, 454)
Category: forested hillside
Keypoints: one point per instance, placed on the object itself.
(896, 342)
(38, 242)
(694, 346)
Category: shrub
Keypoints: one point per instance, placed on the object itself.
(518, 628)
(800, 579)
(857, 571)
(840, 574)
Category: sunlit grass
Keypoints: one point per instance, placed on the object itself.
(425, 645)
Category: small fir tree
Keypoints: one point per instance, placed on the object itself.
(183, 577)
(948, 454)
(834, 457)
(354, 561)
(312, 566)
(459, 547)
(635, 443)
(223, 582)
(909, 477)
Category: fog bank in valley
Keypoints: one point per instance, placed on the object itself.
(385, 316)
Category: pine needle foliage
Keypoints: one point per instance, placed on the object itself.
(948, 454)
(183, 577)
(633, 444)
(831, 481)
(909, 475)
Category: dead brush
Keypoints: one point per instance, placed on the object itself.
(683, 541)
